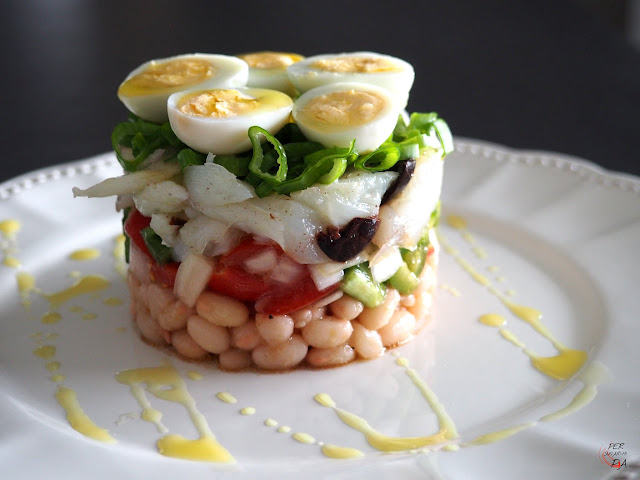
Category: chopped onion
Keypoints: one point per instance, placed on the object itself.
(161, 224)
(198, 232)
(192, 278)
(385, 263)
(161, 197)
(262, 262)
(286, 271)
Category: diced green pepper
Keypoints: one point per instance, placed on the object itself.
(404, 280)
(358, 283)
(160, 253)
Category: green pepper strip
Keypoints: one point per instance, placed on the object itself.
(143, 138)
(256, 163)
(328, 168)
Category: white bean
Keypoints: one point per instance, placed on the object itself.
(329, 357)
(213, 338)
(327, 332)
(317, 313)
(368, 343)
(158, 299)
(346, 307)
(399, 329)
(274, 329)
(281, 357)
(149, 328)
(375, 318)
(246, 336)
(421, 309)
(186, 346)
(233, 359)
(174, 316)
(222, 310)
(301, 317)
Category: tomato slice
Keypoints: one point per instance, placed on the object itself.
(164, 274)
(231, 279)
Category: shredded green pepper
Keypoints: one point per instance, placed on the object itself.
(257, 166)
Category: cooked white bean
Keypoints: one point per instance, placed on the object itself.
(186, 346)
(274, 329)
(213, 338)
(375, 318)
(317, 313)
(174, 316)
(234, 359)
(367, 343)
(246, 336)
(327, 332)
(399, 329)
(283, 356)
(408, 300)
(346, 307)
(149, 328)
(422, 308)
(329, 357)
(222, 310)
(301, 317)
(158, 299)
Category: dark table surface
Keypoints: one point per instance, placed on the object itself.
(543, 75)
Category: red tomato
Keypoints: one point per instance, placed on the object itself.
(231, 279)
(165, 274)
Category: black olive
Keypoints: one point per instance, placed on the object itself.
(342, 244)
(405, 171)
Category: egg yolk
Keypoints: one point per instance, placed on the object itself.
(355, 65)
(167, 76)
(270, 60)
(342, 109)
(217, 103)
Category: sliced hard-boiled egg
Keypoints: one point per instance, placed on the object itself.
(336, 114)
(388, 72)
(146, 89)
(269, 70)
(217, 120)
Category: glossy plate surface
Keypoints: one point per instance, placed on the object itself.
(528, 229)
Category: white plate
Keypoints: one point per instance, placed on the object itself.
(545, 230)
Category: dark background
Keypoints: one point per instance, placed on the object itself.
(556, 75)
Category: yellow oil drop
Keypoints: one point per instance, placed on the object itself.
(204, 449)
(84, 285)
(270, 422)
(78, 419)
(226, 397)
(324, 399)
(45, 352)
(11, 262)
(499, 435)
(85, 254)
(303, 438)
(89, 316)
(57, 378)
(53, 366)
(492, 319)
(562, 366)
(284, 429)
(248, 411)
(50, 318)
(457, 222)
(194, 375)
(334, 451)
(10, 228)
(113, 301)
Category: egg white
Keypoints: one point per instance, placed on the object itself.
(152, 105)
(368, 135)
(273, 77)
(227, 135)
(399, 81)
